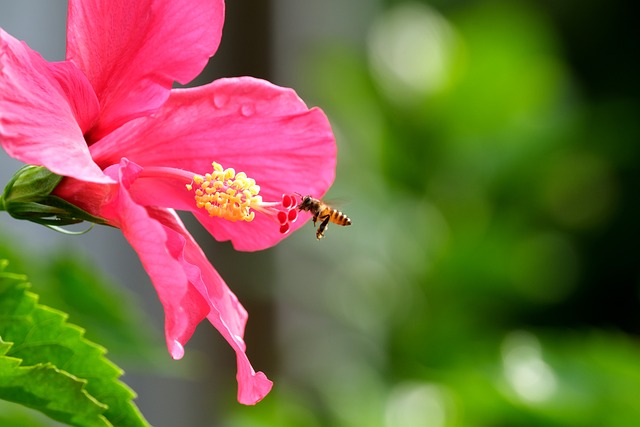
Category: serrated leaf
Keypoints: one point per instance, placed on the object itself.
(50, 390)
(110, 313)
(42, 340)
(70, 282)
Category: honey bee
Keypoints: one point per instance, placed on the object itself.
(323, 212)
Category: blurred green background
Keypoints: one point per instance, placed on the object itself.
(488, 157)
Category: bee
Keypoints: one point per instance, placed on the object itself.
(323, 212)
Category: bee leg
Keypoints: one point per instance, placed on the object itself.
(315, 218)
(323, 226)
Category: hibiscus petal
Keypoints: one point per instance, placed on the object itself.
(184, 306)
(226, 314)
(132, 52)
(44, 109)
(187, 284)
(248, 124)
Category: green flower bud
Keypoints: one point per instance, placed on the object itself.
(28, 196)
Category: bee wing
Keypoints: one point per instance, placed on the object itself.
(336, 203)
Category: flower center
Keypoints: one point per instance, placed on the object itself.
(235, 197)
(225, 194)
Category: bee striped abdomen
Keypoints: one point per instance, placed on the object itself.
(323, 213)
(339, 218)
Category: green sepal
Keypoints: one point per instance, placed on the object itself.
(28, 196)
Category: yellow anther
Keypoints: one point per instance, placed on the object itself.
(225, 194)
(229, 173)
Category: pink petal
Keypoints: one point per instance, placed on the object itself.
(184, 307)
(133, 51)
(187, 284)
(226, 314)
(44, 109)
(248, 124)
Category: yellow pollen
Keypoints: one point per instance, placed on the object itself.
(226, 194)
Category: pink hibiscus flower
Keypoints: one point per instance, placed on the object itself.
(132, 149)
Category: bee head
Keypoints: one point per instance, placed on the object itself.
(305, 201)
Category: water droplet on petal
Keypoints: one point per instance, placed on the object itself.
(220, 100)
(176, 350)
(247, 110)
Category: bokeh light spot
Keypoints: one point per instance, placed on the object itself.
(410, 50)
(418, 405)
(530, 377)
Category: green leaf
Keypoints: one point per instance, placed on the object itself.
(71, 282)
(47, 364)
(50, 390)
